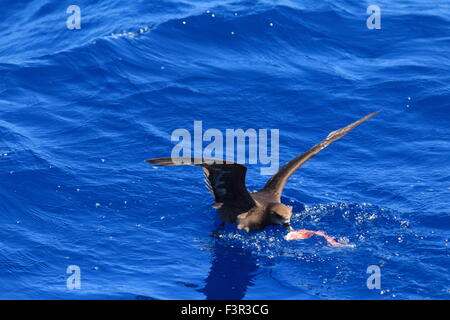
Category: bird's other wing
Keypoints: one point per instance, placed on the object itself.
(276, 183)
(226, 181)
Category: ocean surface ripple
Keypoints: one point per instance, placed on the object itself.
(80, 111)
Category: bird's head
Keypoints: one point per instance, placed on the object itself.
(280, 214)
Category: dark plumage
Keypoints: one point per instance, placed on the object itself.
(253, 211)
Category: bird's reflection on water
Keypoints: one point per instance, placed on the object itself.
(232, 271)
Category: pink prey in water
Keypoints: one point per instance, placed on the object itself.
(306, 234)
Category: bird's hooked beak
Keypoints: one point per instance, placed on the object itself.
(288, 226)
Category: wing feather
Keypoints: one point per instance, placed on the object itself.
(226, 181)
(276, 184)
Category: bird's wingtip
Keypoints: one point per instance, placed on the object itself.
(156, 162)
(370, 115)
(373, 113)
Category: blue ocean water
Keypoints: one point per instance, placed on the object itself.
(80, 111)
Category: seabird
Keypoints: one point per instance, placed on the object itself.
(255, 211)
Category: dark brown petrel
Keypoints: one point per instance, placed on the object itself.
(253, 211)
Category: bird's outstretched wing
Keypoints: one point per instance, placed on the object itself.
(276, 184)
(226, 181)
